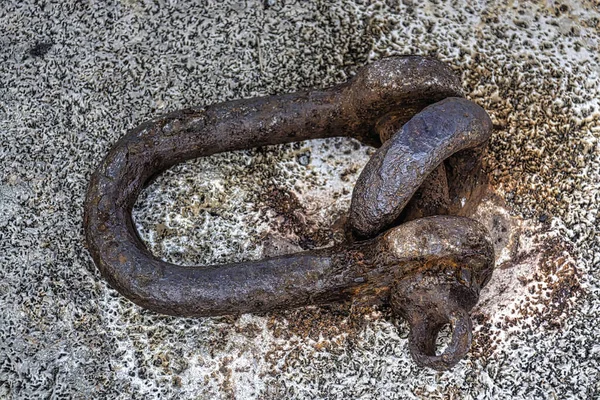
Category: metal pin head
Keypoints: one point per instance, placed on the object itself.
(429, 302)
(448, 260)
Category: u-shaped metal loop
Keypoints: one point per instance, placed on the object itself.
(402, 85)
(399, 167)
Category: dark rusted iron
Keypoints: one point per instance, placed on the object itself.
(430, 269)
(420, 147)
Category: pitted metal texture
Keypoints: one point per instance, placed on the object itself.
(429, 267)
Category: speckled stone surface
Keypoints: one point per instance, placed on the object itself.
(74, 76)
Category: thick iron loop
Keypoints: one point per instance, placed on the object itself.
(451, 253)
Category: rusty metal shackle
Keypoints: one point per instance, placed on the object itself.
(429, 269)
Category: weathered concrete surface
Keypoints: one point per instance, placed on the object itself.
(75, 76)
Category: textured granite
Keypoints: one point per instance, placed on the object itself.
(75, 75)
